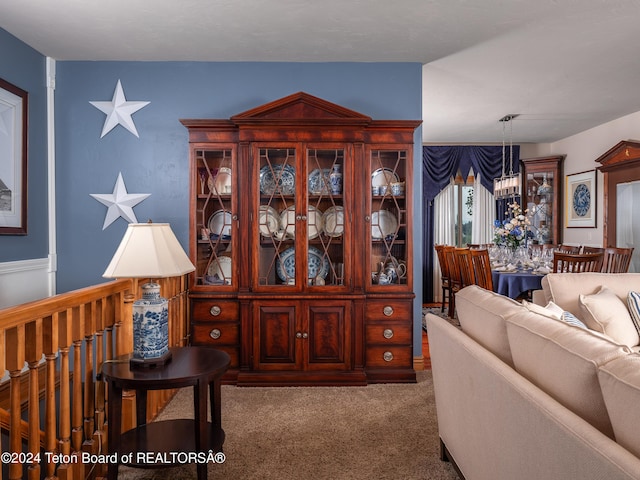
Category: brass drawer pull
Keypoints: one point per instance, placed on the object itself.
(388, 310)
(215, 333)
(387, 333)
(215, 310)
(388, 356)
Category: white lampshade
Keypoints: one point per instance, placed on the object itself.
(149, 250)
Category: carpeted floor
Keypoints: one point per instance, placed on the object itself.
(324, 433)
(436, 311)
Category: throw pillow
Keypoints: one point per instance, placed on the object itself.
(551, 310)
(605, 312)
(571, 319)
(554, 311)
(633, 302)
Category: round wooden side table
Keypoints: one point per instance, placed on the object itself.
(197, 367)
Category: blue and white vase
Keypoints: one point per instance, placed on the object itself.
(150, 324)
(335, 180)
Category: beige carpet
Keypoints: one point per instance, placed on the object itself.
(333, 433)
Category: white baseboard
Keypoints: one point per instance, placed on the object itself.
(23, 281)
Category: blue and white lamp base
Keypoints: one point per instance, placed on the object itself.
(150, 329)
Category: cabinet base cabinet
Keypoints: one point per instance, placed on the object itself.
(309, 342)
(306, 342)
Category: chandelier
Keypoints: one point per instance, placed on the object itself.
(508, 185)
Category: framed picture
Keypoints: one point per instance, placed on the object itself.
(13, 159)
(580, 200)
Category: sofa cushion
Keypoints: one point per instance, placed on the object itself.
(564, 288)
(620, 382)
(604, 312)
(481, 314)
(563, 361)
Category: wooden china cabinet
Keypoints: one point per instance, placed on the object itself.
(542, 197)
(300, 230)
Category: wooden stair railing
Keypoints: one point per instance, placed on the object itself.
(72, 334)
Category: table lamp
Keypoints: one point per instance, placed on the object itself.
(149, 250)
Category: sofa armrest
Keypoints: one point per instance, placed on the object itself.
(538, 297)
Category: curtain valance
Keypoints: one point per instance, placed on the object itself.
(440, 163)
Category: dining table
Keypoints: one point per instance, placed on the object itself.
(515, 283)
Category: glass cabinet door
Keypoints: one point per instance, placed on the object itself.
(277, 216)
(388, 218)
(542, 198)
(215, 217)
(301, 217)
(326, 216)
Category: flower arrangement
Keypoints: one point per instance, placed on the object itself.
(512, 232)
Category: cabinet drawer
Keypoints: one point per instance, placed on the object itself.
(389, 357)
(388, 334)
(207, 310)
(388, 310)
(215, 334)
(233, 353)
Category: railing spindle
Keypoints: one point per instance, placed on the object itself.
(50, 348)
(15, 362)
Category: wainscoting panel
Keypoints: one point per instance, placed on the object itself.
(23, 281)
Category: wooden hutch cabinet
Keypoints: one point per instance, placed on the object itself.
(542, 197)
(300, 230)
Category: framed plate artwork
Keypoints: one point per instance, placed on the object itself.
(580, 200)
(13, 159)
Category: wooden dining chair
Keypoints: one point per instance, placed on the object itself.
(616, 260)
(588, 249)
(467, 277)
(482, 268)
(455, 279)
(573, 249)
(444, 275)
(577, 262)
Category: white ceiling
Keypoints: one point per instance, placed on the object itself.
(563, 65)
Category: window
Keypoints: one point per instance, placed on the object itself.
(463, 208)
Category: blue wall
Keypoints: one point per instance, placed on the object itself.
(157, 162)
(23, 67)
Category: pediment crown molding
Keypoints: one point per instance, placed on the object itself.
(622, 155)
(300, 106)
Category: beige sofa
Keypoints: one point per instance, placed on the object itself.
(520, 394)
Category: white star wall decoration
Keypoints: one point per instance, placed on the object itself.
(120, 203)
(119, 111)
